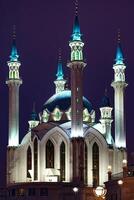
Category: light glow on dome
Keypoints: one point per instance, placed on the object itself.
(86, 115)
(57, 114)
(45, 116)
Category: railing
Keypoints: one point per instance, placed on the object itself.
(117, 176)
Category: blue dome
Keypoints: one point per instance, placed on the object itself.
(62, 100)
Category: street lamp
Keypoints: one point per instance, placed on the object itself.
(100, 192)
(125, 169)
(109, 172)
(120, 183)
(75, 190)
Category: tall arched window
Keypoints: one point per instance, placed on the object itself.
(62, 161)
(29, 161)
(49, 154)
(95, 159)
(85, 162)
(35, 159)
(77, 55)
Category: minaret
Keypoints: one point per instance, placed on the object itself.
(33, 122)
(119, 84)
(14, 81)
(77, 65)
(106, 118)
(60, 81)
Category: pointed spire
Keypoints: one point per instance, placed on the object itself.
(105, 102)
(14, 55)
(60, 74)
(33, 114)
(105, 93)
(76, 28)
(119, 54)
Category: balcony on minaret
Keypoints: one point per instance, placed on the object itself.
(119, 66)
(14, 69)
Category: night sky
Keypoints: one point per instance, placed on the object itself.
(44, 26)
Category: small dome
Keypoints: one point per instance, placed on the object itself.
(62, 100)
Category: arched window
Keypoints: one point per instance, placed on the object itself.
(49, 154)
(35, 159)
(73, 55)
(29, 161)
(95, 159)
(85, 162)
(77, 55)
(81, 55)
(14, 74)
(62, 161)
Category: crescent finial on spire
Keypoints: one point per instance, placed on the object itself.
(105, 93)
(119, 54)
(76, 7)
(119, 36)
(14, 32)
(60, 55)
(33, 114)
(33, 106)
(59, 69)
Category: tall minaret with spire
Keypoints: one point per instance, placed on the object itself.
(14, 81)
(77, 65)
(119, 84)
(60, 81)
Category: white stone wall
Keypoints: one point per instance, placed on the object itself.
(17, 158)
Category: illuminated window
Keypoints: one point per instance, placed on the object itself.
(68, 113)
(81, 55)
(85, 163)
(35, 159)
(77, 55)
(45, 116)
(57, 114)
(49, 154)
(10, 74)
(14, 74)
(95, 158)
(17, 74)
(86, 115)
(73, 55)
(62, 161)
(29, 161)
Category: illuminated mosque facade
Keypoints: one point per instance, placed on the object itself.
(64, 143)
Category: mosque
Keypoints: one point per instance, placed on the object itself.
(65, 146)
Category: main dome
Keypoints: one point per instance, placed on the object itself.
(62, 100)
